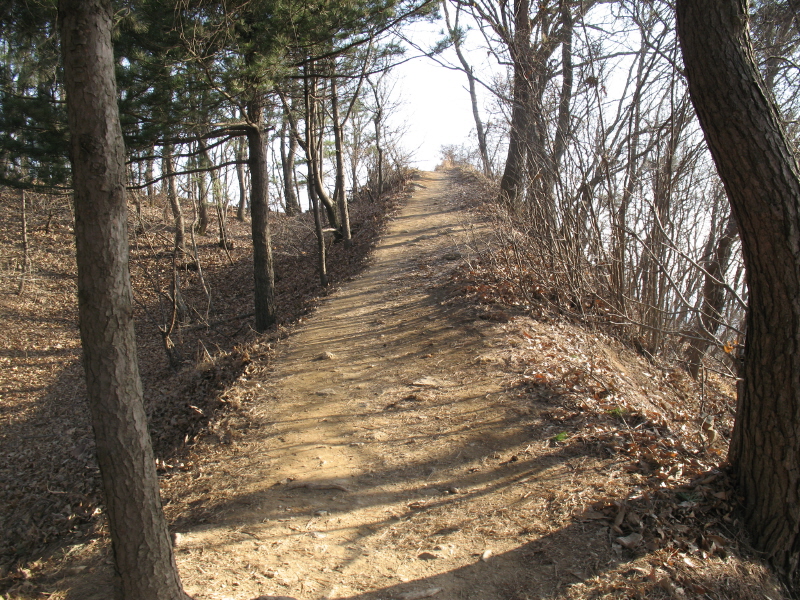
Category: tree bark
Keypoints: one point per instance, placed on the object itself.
(202, 195)
(758, 166)
(322, 267)
(145, 565)
(314, 151)
(263, 270)
(377, 120)
(148, 176)
(217, 194)
(310, 86)
(562, 132)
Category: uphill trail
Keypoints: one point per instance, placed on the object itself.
(383, 451)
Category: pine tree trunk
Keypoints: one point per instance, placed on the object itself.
(759, 169)
(148, 176)
(202, 194)
(217, 195)
(314, 151)
(322, 267)
(142, 548)
(263, 270)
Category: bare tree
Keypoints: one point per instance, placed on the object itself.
(456, 35)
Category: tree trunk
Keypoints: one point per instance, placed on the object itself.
(565, 97)
(174, 202)
(202, 195)
(340, 194)
(378, 120)
(148, 176)
(473, 94)
(263, 270)
(241, 156)
(136, 180)
(315, 154)
(287, 163)
(142, 548)
(217, 195)
(314, 151)
(619, 236)
(322, 267)
(513, 174)
(759, 169)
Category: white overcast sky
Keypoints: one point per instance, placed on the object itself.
(435, 106)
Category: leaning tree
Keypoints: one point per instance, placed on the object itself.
(759, 168)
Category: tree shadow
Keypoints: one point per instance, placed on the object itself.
(49, 481)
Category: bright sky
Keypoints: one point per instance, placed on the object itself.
(436, 109)
(435, 106)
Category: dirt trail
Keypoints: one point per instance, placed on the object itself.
(382, 457)
(385, 453)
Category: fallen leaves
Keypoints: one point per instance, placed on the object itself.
(630, 541)
(48, 442)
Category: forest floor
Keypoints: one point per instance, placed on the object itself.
(416, 438)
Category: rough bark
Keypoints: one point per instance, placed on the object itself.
(263, 270)
(142, 548)
(759, 169)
